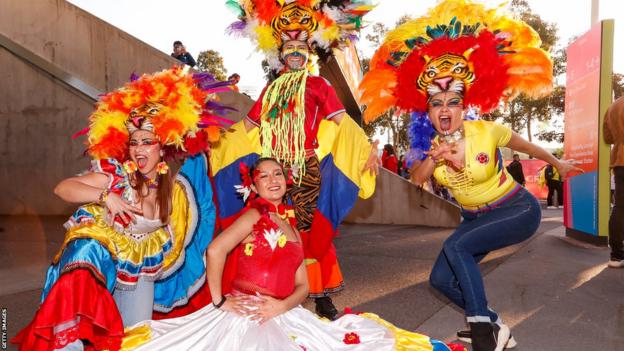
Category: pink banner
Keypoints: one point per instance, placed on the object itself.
(531, 169)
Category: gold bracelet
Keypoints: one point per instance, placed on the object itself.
(103, 196)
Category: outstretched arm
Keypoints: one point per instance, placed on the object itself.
(82, 189)
(520, 144)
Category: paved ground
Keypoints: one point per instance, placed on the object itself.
(555, 292)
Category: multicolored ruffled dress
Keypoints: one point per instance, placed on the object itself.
(97, 259)
(267, 265)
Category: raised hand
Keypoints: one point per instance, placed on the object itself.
(373, 162)
(119, 207)
(564, 167)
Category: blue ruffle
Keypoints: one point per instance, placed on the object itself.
(176, 288)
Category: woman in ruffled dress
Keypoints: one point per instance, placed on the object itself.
(263, 312)
(137, 244)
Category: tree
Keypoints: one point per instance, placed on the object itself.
(396, 123)
(211, 61)
(618, 85)
(522, 113)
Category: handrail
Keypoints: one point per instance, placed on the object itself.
(49, 68)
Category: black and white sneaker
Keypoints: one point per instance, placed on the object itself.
(466, 336)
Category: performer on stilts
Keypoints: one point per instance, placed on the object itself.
(290, 122)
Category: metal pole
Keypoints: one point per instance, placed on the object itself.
(595, 6)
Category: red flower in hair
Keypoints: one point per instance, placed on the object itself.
(245, 188)
(351, 338)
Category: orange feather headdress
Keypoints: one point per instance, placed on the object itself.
(177, 107)
(461, 46)
(323, 24)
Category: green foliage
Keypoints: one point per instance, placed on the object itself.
(211, 61)
(618, 85)
(522, 113)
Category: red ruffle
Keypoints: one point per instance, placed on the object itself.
(76, 297)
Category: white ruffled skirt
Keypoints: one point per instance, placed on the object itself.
(298, 329)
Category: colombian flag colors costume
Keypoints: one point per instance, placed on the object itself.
(97, 258)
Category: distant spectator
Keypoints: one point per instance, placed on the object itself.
(179, 53)
(234, 79)
(402, 168)
(554, 184)
(614, 134)
(389, 160)
(515, 169)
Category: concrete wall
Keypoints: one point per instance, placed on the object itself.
(38, 113)
(397, 201)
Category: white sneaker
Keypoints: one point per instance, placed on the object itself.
(466, 336)
(551, 208)
(613, 263)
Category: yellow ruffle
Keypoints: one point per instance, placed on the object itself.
(179, 222)
(404, 340)
(126, 248)
(135, 337)
(350, 148)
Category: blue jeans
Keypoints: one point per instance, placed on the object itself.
(456, 271)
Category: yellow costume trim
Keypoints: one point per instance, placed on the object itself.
(119, 245)
(479, 183)
(347, 142)
(123, 247)
(178, 224)
(350, 148)
(135, 337)
(404, 340)
(282, 117)
(234, 144)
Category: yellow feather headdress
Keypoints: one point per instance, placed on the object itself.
(324, 24)
(170, 103)
(458, 44)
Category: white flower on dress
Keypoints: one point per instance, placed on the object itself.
(272, 236)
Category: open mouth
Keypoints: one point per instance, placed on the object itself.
(274, 188)
(445, 123)
(141, 161)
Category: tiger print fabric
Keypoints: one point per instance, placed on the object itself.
(304, 195)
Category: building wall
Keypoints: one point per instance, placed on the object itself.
(397, 201)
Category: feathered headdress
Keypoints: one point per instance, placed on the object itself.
(324, 24)
(179, 108)
(458, 46)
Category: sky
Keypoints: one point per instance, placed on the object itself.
(200, 25)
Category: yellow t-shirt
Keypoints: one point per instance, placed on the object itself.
(484, 179)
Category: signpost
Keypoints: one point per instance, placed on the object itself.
(588, 95)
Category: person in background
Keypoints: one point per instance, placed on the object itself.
(389, 160)
(554, 184)
(234, 79)
(614, 134)
(515, 169)
(179, 53)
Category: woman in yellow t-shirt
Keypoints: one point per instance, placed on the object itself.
(457, 57)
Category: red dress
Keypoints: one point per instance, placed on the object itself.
(268, 264)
